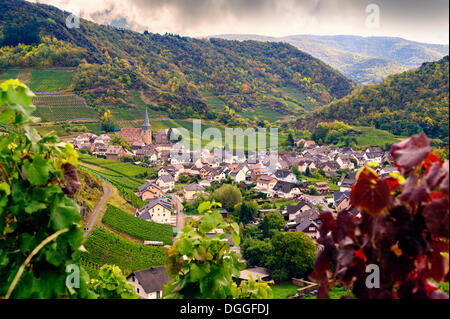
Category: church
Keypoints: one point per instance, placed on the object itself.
(141, 135)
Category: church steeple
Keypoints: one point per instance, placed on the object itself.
(146, 132)
(146, 126)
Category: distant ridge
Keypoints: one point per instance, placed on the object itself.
(363, 59)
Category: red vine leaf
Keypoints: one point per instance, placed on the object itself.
(370, 193)
(411, 152)
(436, 217)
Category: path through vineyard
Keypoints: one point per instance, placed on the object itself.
(107, 190)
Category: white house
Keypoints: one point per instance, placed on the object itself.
(159, 210)
(285, 175)
(149, 283)
(166, 182)
(285, 190)
(265, 184)
(239, 174)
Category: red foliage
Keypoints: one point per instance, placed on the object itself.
(402, 227)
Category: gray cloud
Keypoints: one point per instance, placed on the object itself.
(418, 20)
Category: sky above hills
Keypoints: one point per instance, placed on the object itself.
(418, 20)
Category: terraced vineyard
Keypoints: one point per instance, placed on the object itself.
(126, 169)
(118, 180)
(50, 80)
(105, 247)
(122, 175)
(62, 107)
(136, 227)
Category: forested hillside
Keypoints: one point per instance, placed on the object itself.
(404, 104)
(362, 59)
(172, 73)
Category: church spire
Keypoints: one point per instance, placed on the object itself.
(146, 126)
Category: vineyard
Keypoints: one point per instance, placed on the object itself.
(62, 107)
(118, 167)
(118, 180)
(50, 80)
(126, 177)
(105, 247)
(131, 198)
(138, 228)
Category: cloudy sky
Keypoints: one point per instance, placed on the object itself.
(419, 20)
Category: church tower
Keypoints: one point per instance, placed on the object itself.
(146, 130)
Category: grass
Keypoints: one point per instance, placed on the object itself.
(282, 203)
(335, 293)
(50, 80)
(9, 74)
(284, 290)
(374, 137)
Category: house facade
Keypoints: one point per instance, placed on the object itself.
(159, 210)
(149, 283)
(150, 191)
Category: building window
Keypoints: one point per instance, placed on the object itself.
(137, 290)
(158, 295)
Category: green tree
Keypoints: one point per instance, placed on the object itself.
(293, 255)
(290, 140)
(272, 223)
(120, 141)
(256, 252)
(228, 195)
(247, 212)
(313, 191)
(204, 267)
(307, 172)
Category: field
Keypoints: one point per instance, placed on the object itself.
(10, 74)
(73, 128)
(126, 169)
(373, 137)
(284, 290)
(105, 247)
(335, 293)
(50, 80)
(264, 113)
(121, 175)
(118, 180)
(300, 98)
(62, 107)
(138, 228)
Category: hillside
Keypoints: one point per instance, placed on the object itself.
(362, 59)
(125, 70)
(403, 104)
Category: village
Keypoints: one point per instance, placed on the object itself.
(305, 182)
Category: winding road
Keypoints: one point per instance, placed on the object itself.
(107, 191)
(179, 208)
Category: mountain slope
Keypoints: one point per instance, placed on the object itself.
(403, 104)
(363, 59)
(175, 74)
